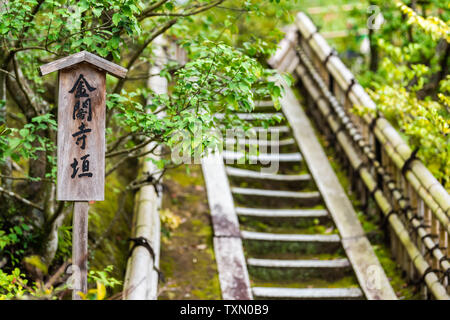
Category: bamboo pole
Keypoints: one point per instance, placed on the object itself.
(141, 278)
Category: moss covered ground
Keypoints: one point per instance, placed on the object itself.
(187, 254)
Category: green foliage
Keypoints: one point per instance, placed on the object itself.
(12, 285)
(227, 47)
(103, 281)
(406, 71)
(28, 141)
(61, 35)
(15, 240)
(432, 25)
(218, 78)
(64, 243)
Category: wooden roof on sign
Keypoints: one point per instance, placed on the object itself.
(84, 56)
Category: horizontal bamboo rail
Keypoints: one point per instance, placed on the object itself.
(397, 181)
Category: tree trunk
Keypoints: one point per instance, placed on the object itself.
(5, 168)
(374, 54)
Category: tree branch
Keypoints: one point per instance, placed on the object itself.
(187, 14)
(152, 8)
(130, 156)
(21, 199)
(138, 53)
(117, 153)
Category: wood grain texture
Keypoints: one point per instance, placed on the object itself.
(233, 275)
(81, 188)
(84, 56)
(80, 247)
(220, 199)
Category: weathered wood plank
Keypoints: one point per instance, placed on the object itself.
(265, 236)
(81, 134)
(259, 142)
(233, 276)
(225, 221)
(80, 248)
(313, 195)
(319, 264)
(252, 174)
(84, 56)
(282, 213)
(262, 157)
(307, 293)
(356, 245)
(252, 116)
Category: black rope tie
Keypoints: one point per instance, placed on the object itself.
(444, 258)
(407, 164)
(374, 123)
(374, 190)
(350, 86)
(422, 279)
(428, 235)
(327, 58)
(404, 198)
(341, 128)
(415, 216)
(311, 35)
(386, 218)
(143, 242)
(430, 250)
(445, 274)
(358, 169)
(330, 114)
(393, 189)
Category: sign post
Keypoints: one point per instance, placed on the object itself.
(81, 144)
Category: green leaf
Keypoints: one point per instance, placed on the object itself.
(24, 132)
(116, 19)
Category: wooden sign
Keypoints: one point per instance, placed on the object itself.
(81, 124)
(81, 144)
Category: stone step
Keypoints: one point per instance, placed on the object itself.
(264, 103)
(307, 264)
(253, 116)
(314, 195)
(282, 213)
(307, 293)
(244, 173)
(259, 142)
(264, 157)
(311, 238)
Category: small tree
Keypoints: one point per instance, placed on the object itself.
(217, 78)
